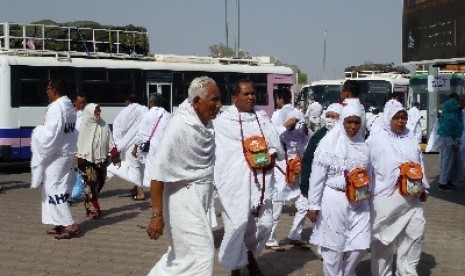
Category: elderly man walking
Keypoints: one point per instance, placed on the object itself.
(53, 145)
(246, 147)
(182, 184)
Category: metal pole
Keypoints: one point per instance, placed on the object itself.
(238, 28)
(226, 22)
(6, 33)
(324, 55)
(432, 111)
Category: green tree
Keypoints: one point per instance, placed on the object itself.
(220, 50)
(302, 77)
(380, 67)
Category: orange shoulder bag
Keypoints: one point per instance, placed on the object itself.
(410, 179)
(357, 186)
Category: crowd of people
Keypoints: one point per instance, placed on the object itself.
(361, 194)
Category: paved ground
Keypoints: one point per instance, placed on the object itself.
(118, 245)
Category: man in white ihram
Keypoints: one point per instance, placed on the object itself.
(53, 145)
(182, 184)
(151, 128)
(244, 179)
(413, 123)
(125, 129)
(294, 138)
(314, 111)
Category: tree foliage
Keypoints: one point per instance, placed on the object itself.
(380, 67)
(220, 50)
(302, 77)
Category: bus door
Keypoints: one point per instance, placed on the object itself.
(161, 82)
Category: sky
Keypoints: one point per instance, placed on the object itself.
(358, 31)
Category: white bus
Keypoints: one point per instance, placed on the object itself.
(107, 78)
(375, 90)
(418, 92)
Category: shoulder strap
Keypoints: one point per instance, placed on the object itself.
(155, 127)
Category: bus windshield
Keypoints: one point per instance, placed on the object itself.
(374, 94)
(326, 94)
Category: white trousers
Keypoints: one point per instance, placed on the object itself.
(58, 180)
(337, 263)
(131, 170)
(252, 235)
(191, 250)
(409, 243)
(295, 233)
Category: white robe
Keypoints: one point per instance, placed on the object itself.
(151, 120)
(236, 187)
(341, 225)
(413, 123)
(394, 217)
(184, 164)
(53, 145)
(295, 142)
(125, 128)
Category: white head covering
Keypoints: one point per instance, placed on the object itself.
(335, 107)
(93, 142)
(391, 108)
(339, 151)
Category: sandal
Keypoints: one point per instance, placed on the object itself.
(299, 244)
(55, 230)
(276, 248)
(138, 198)
(67, 234)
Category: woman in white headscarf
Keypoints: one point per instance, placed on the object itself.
(342, 227)
(396, 219)
(95, 145)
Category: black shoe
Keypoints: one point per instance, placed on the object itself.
(236, 272)
(445, 188)
(451, 185)
(252, 267)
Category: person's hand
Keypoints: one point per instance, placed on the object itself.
(290, 123)
(155, 227)
(81, 165)
(134, 151)
(313, 215)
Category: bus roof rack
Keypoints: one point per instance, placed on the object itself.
(18, 38)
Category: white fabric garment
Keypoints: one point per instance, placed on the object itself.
(394, 217)
(314, 111)
(126, 125)
(184, 164)
(79, 119)
(341, 263)
(54, 144)
(413, 123)
(125, 129)
(156, 117)
(187, 149)
(95, 139)
(191, 250)
(341, 225)
(374, 123)
(294, 142)
(236, 187)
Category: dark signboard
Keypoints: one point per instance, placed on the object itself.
(433, 29)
